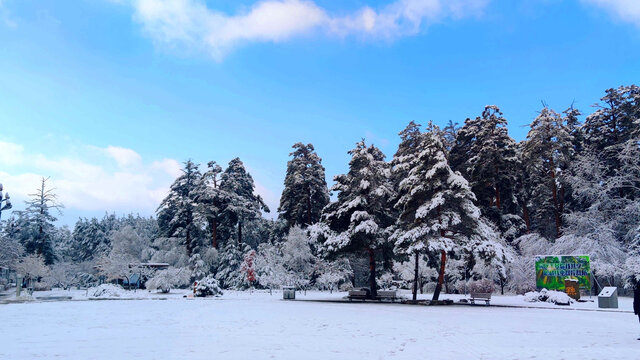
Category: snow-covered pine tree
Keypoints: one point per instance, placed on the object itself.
(230, 262)
(449, 134)
(486, 155)
(40, 218)
(243, 204)
(212, 200)
(546, 155)
(305, 191)
(407, 154)
(359, 219)
(89, 240)
(437, 214)
(613, 124)
(177, 212)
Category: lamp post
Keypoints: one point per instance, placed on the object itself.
(6, 199)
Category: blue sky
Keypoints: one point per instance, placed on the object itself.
(108, 96)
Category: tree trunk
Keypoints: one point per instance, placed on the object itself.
(308, 206)
(497, 197)
(527, 219)
(239, 232)
(213, 224)
(443, 261)
(415, 278)
(554, 191)
(372, 273)
(188, 243)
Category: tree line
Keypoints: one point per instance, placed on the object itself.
(469, 202)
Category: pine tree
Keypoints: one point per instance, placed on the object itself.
(177, 212)
(486, 155)
(613, 124)
(359, 219)
(212, 200)
(38, 213)
(437, 214)
(546, 155)
(305, 191)
(243, 205)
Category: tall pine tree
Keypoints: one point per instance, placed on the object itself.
(41, 228)
(177, 212)
(359, 219)
(243, 205)
(546, 155)
(305, 191)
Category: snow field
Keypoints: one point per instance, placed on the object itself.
(259, 326)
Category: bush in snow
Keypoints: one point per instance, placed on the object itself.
(482, 286)
(208, 286)
(550, 296)
(41, 286)
(106, 290)
(171, 278)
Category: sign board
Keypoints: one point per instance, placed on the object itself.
(552, 270)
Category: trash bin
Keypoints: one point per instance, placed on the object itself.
(608, 298)
(572, 288)
(289, 293)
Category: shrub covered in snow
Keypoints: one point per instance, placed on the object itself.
(208, 286)
(41, 286)
(171, 278)
(482, 286)
(550, 296)
(106, 291)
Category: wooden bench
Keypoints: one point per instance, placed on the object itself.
(387, 295)
(486, 297)
(358, 294)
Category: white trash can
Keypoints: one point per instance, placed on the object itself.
(608, 298)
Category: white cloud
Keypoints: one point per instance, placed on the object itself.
(191, 24)
(134, 186)
(10, 154)
(626, 10)
(168, 166)
(124, 157)
(4, 16)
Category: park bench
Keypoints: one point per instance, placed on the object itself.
(358, 294)
(486, 297)
(387, 295)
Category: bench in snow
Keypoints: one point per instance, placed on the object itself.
(387, 295)
(486, 297)
(358, 294)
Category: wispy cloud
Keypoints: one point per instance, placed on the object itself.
(4, 16)
(191, 24)
(111, 179)
(625, 10)
(132, 185)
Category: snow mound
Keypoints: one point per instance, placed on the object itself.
(106, 291)
(208, 286)
(550, 296)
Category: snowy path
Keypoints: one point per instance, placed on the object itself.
(262, 327)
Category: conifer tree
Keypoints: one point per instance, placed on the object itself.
(437, 214)
(613, 124)
(486, 155)
(41, 227)
(177, 212)
(359, 219)
(305, 191)
(546, 155)
(212, 200)
(243, 204)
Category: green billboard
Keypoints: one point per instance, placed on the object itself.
(552, 270)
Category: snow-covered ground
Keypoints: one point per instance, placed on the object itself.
(243, 325)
